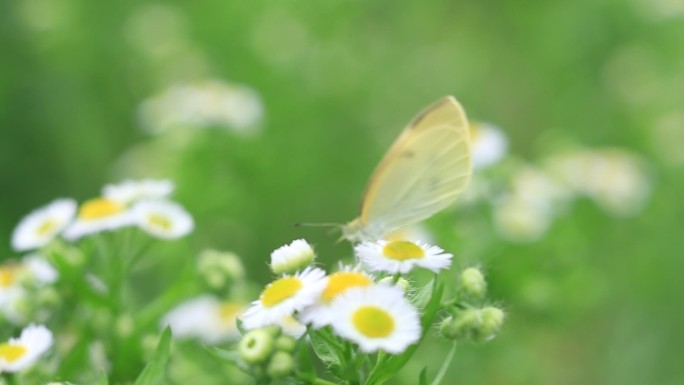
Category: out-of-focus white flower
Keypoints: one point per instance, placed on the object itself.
(489, 144)
(283, 297)
(401, 256)
(613, 178)
(42, 225)
(536, 188)
(38, 270)
(131, 191)
(205, 317)
(16, 279)
(97, 215)
(163, 219)
(11, 291)
(203, 104)
(521, 220)
(376, 317)
(19, 353)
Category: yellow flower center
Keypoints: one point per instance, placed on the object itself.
(46, 227)
(339, 282)
(229, 310)
(280, 290)
(7, 276)
(99, 208)
(158, 220)
(402, 250)
(373, 322)
(11, 353)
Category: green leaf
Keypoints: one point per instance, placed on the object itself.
(422, 378)
(103, 380)
(392, 365)
(155, 370)
(323, 349)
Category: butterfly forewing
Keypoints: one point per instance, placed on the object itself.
(424, 171)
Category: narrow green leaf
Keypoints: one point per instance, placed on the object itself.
(155, 370)
(422, 378)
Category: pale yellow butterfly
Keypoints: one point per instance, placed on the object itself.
(423, 172)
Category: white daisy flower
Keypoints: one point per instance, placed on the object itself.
(205, 317)
(489, 144)
(376, 317)
(12, 293)
(283, 297)
(293, 257)
(19, 353)
(131, 191)
(96, 215)
(322, 313)
(163, 219)
(401, 256)
(39, 270)
(41, 226)
(291, 327)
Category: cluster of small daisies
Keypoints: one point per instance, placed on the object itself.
(368, 304)
(374, 315)
(614, 179)
(26, 283)
(144, 204)
(530, 196)
(204, 104)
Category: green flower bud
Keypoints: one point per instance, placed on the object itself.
(285, 343)
(473, 282)
(219, 269)
(401, 283)
(256, 346)
(273, 330)
(492, 320)
(280, 365)
(125, 325)
(461, 326)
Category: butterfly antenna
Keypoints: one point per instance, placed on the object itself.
(316, 224)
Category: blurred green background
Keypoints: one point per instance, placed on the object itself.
(596, 301)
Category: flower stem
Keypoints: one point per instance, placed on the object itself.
(445, 365)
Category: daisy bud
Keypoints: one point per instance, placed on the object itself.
(285, 343)
(473, 282)
(280, 365)
(492, 320)
(291, 258)
(256, 346)
(463, 325)
(220, 269)
(401, 283)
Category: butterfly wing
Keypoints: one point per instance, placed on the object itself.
(424, 171)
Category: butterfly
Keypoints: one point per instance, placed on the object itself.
(424, 171)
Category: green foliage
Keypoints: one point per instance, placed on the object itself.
(338, 80)
(155, 370)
